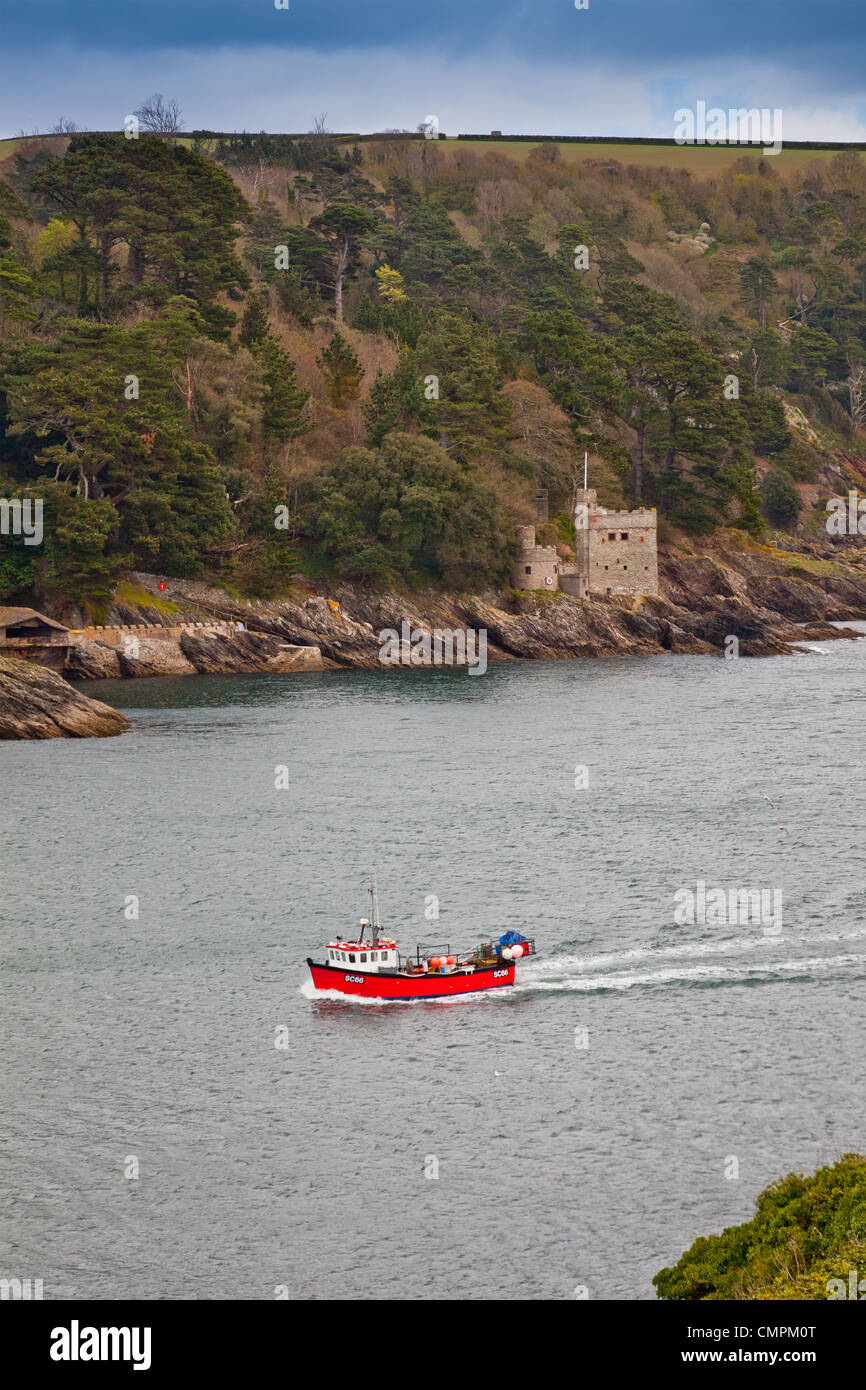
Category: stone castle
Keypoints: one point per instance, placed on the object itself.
(615, 553)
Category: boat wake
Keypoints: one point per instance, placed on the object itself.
(744, 961)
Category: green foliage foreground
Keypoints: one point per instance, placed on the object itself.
(807, 1236)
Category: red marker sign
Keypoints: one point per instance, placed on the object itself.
(162, 585)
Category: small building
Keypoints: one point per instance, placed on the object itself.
(32, 636)
(616, 552)
(537, 566)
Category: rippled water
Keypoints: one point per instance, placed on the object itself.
(559, 1164)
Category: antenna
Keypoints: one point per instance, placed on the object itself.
(374, 908)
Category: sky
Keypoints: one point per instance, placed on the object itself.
(616, 67)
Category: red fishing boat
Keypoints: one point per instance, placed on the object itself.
(372, 967)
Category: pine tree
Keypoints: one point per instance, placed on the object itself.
(284, 412)
(255, 324)
(342, 371)
(397, 402)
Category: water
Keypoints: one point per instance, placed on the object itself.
(152, 1039)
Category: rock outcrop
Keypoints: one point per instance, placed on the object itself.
(190, 652)
(770, 600)
(248, 651)
(93, 661)
(36, 703)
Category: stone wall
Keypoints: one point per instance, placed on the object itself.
(120, 637)
(622, 552)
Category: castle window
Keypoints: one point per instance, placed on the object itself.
(606, 568)
(625, 567)
(529, 569)
(623, 535)
(611, 535)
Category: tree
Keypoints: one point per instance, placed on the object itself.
(284, 409)
(17, 292)
(135, 449)
(391, 285)
(757, 283)
(457, 355)
(856, 384)
(341, 227)
(342, 371)
(175, 212)
(161, 115)
(406, 510)
(781, 501)
(255, 324)
(397, 402)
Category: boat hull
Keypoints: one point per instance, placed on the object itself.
(370, 986)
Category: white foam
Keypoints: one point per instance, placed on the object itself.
(718, 974)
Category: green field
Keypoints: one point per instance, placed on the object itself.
(704, 159)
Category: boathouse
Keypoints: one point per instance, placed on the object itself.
(32, 636)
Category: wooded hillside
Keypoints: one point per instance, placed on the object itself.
(240, 357)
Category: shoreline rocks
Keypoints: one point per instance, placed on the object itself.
(37, 703)
(730, 588)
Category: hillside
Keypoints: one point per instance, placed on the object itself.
(245, 359)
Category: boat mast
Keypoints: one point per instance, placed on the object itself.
(374, 909)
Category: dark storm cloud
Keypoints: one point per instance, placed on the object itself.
(829, 37)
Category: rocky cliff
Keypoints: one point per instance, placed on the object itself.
(36, 703)
(731, 587)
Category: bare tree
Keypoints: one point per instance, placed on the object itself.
(320, 130)
(63, 127)
(856, 384)
(160, 115)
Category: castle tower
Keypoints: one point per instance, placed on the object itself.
(537, 566)
(615, 551)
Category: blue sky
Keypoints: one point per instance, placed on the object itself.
(618, 67)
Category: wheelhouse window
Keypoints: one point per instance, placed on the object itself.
(352, 957)
(363, 957)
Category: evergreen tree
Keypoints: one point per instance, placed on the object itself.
(397, 402)
(255, 325)
(342, 371)
(781, 501)
(284, 409)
